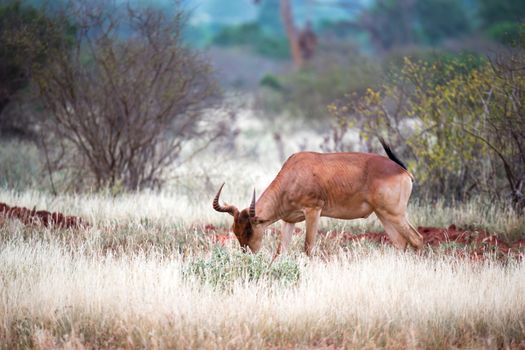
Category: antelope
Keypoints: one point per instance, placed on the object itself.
(347, 185)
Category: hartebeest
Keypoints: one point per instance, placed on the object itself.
(338, 185)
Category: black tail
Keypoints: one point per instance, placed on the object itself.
(391, 154)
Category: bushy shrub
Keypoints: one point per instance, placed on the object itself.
(29, 39)
(122, 108)
(461, 129)
(505, 32)
(463, 62)
(225, 267)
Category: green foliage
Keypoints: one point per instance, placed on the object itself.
(225, 267)
(496, 11)
(440, 19)
(307, 92)
(502, 18)
(461, 63)
(251, 35)
(390, 24)
(505, 32)
(271, 82)
(29, 37)
(395, 23)
(463, 127)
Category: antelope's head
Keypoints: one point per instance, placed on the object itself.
(246, 225)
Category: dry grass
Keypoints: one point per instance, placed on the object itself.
(186, 208)
(130, 281)
(56, 296)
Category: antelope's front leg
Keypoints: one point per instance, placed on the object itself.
(311, 216)
(286, 235)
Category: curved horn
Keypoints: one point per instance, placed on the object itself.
(252, 205)
(223, 209)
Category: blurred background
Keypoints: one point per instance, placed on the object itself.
(123, 96)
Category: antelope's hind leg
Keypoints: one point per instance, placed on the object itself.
(415, 238)
(398, 240)
(401, 231)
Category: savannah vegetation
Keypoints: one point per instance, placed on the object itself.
(131, 116)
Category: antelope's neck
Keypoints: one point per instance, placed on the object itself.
(268, 206)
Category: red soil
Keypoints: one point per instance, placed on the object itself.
(221, 239)
(42, 217)
(473, 243)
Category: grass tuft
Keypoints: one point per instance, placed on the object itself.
(225, 267)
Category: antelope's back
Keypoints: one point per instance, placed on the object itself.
(325, 175)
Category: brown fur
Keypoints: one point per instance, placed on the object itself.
(338, 185)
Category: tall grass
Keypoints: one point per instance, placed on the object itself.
(54, 296)
(147, 274)
(185, 208)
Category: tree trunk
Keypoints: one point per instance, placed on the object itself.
(291, 32)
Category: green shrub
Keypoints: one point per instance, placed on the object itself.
(449, 63)
(505, 32)
(224, 267)
(271, 82)
(460, 136)
(251, 35)
(307, 92)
